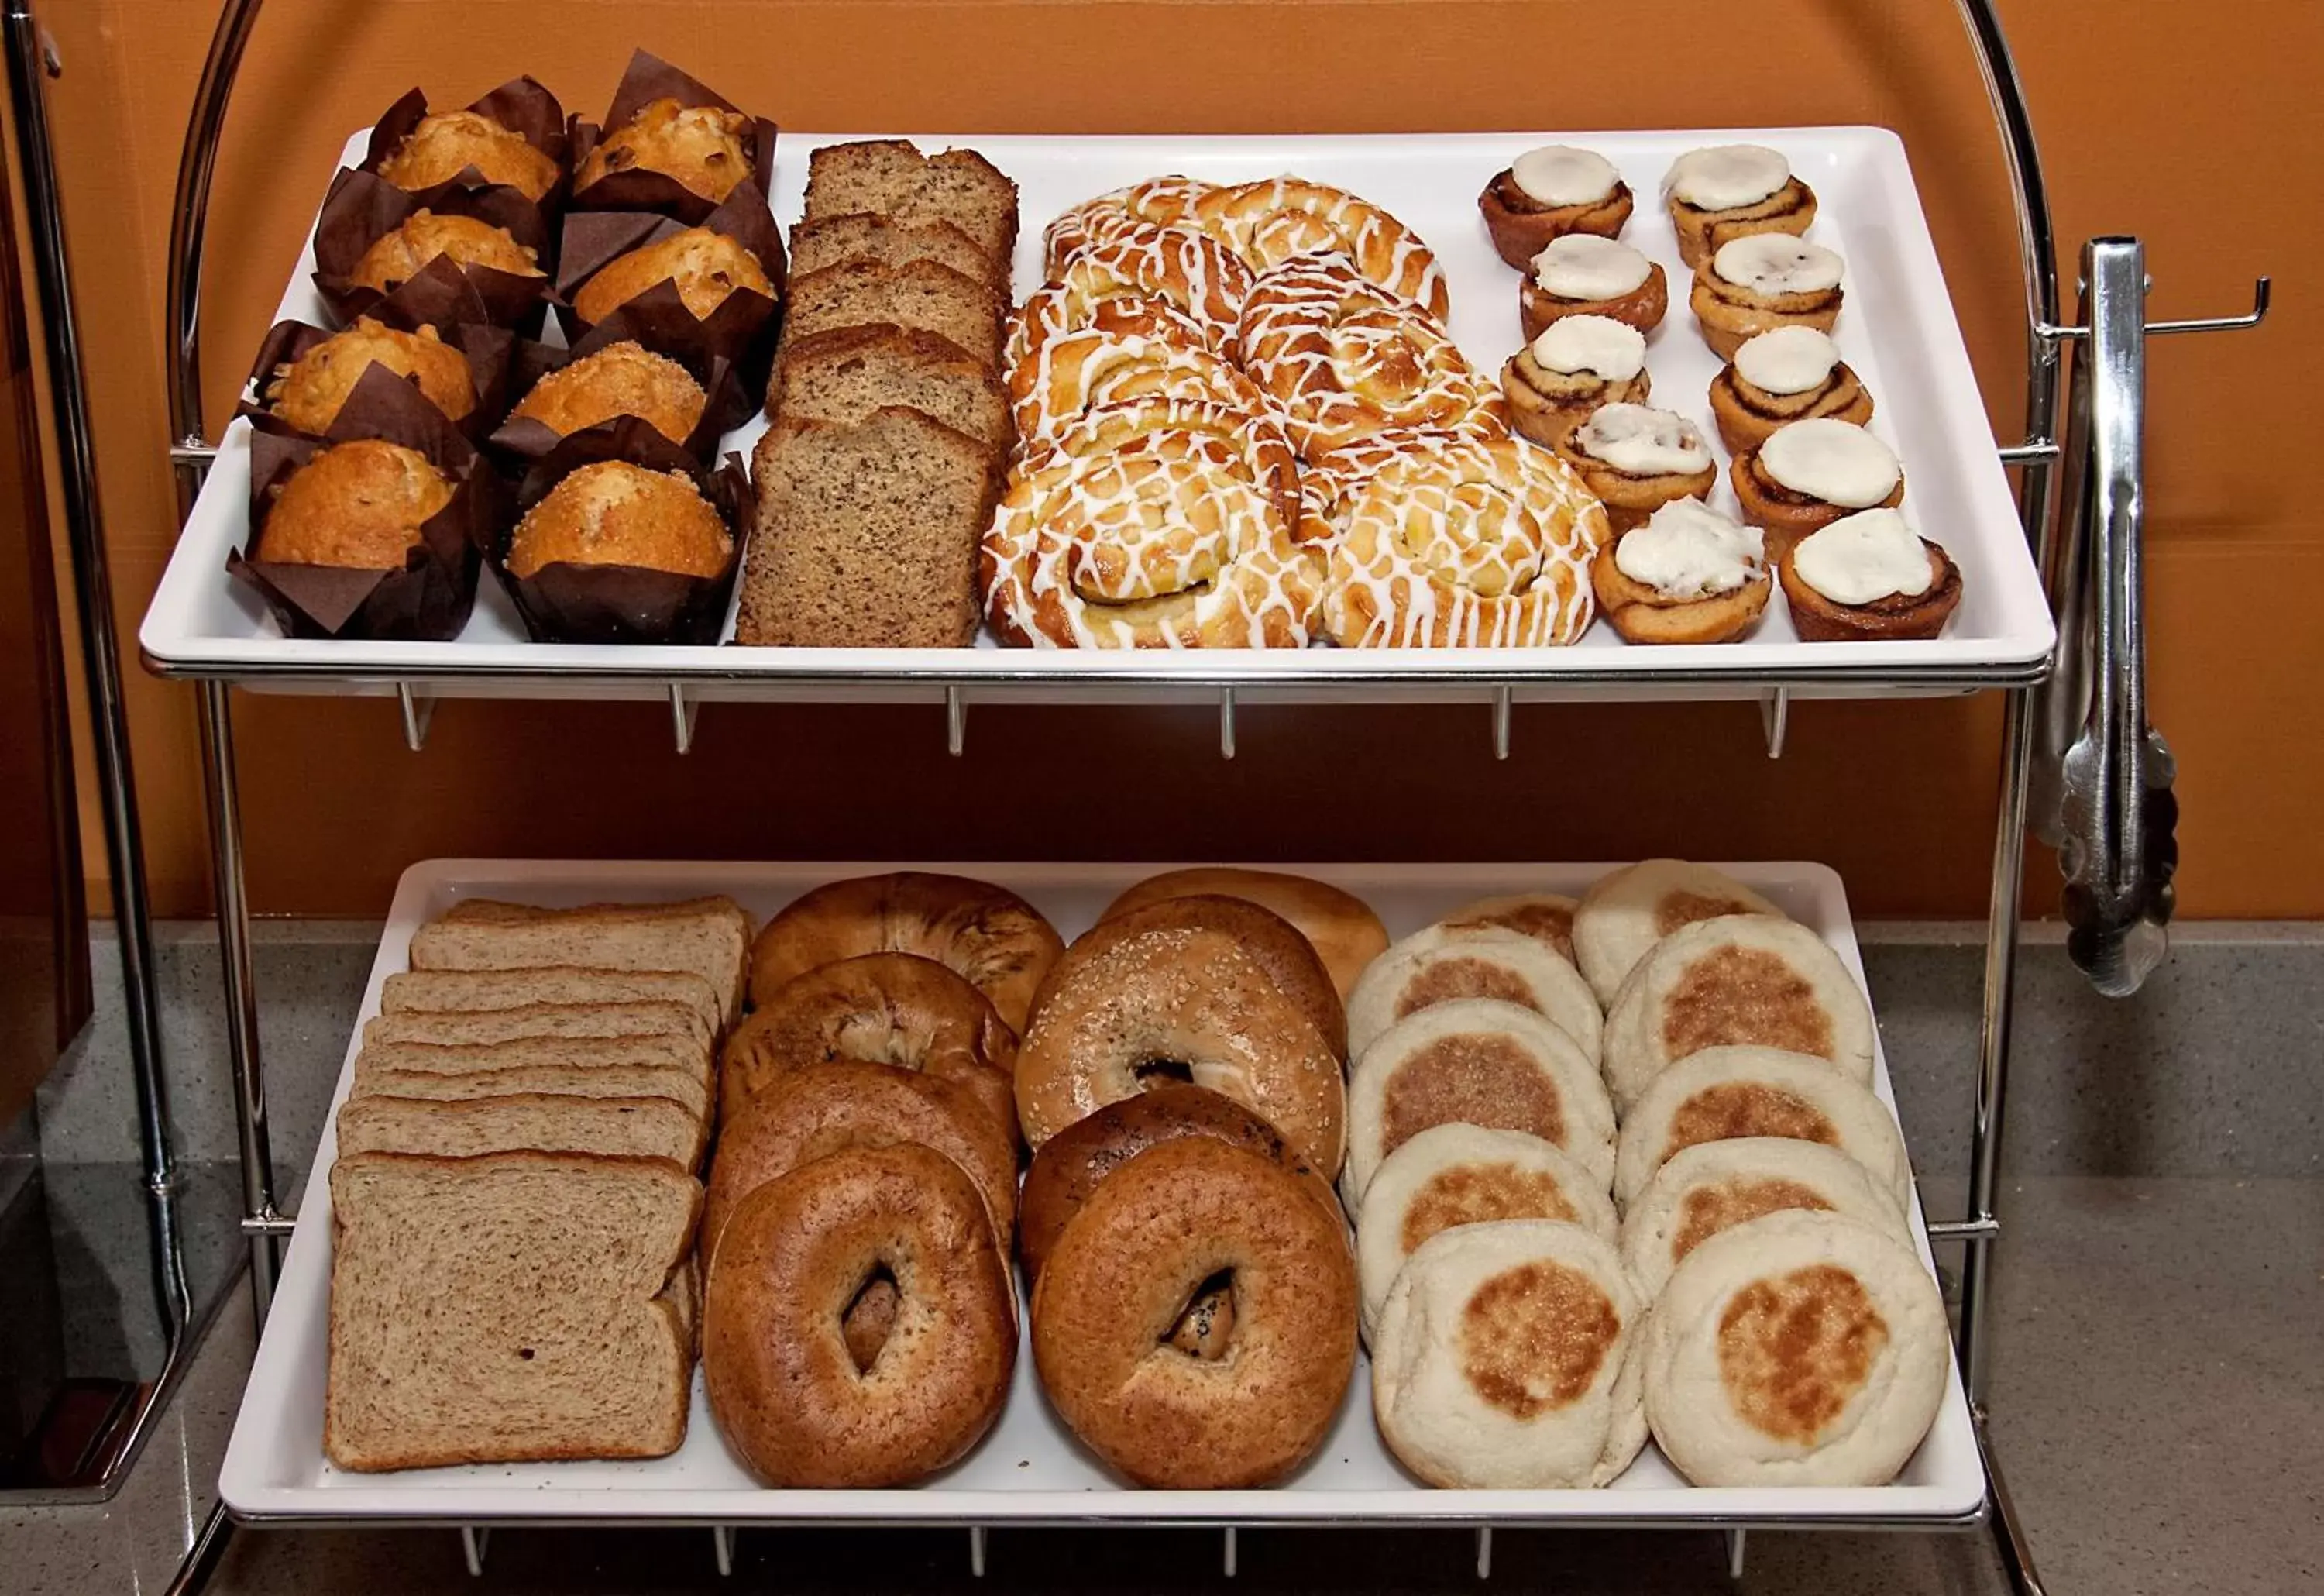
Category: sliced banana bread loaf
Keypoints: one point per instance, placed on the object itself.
(848, 373)
(835, 241)
(894, 179)
(923, 295)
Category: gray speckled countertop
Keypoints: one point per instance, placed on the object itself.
(2158, 1400)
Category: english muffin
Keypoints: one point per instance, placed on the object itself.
(308, 391)
(1444, 964)
(359, 504)
(448, 142)
(1725, 1093)
(1716, 1185)
(1454, 1174)
(1546, 916)
(624, 379)
(1505, 1359)
(1799, 1349)
(706, 266)
(617, 514)
(1626, 911)
(1738, 981)
(396, 257)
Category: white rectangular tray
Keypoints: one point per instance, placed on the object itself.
(1029, 1470)
(1898, 331)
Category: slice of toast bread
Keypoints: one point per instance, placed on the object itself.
(525, 1121)
(508, 1308)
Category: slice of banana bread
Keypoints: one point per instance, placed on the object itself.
(866, 535)
(923, 294)
(835, 240)
(848, 373)
(893, 178)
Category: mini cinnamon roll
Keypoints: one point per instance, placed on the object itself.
(1689, 575)
(1791, 373)
(1545, 194)
(1868, 578)
(1761, 282)
(1579, 364)
(1810, 474)
(1637, 460)
(1730, 192)
(1582, 274)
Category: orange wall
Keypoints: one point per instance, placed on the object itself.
(2205, 138)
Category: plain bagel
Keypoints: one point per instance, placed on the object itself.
(1344, 931)
(793, 1398)
(995, 940)
(881, 1008)
(1120, 1278)
(1172, 999)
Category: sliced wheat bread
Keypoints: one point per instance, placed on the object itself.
(829, 241)
(507, 1308)
(466, 1058)
(680, 1086)
(923, 294)
(526, 1122)
(470, 992)
(540, 1020)
(849, 372)
(710, 936)
(866, 536)
(892, 179)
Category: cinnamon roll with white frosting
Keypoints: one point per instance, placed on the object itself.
(1582, 274)
(1637, 460)
(1578, 365)
(1810, 474)
(1790, 374)
(1689, 575)
(1868, 578)
(1730, 192)
(1758, 283)
(1545, 194)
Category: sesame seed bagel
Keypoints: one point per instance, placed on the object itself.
(1120, 1280)
(1346, 933)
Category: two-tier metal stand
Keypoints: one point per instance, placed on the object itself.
(2077, 730)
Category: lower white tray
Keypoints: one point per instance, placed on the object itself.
(1030, 1468)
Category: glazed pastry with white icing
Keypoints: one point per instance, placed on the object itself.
(1637, 460)
(1810, 474)
(1791, 373)
(1578, 365)
(1582, 274)
(1762, 281)
(1868, 577)
(1689, 574)
(1548, 193)
(1729, 191)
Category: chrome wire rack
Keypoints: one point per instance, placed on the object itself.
(2078, 761)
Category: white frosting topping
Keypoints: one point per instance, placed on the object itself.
(1613, 349)
(1779, 264)
(1861, 559)
(1787, 360)
(1835, 461)
(1560, 174)
(1727, 176)
(1643, 441)
(1584, 266)
(1689, 550)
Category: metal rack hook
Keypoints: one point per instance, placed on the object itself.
(1226, 723)
(419, 711)
(2263, 292)
(976, 1551)
(474, 1544)
(1504, 702)
(956, 721)
(683, 711)
(1775, 719)
(722, 1545)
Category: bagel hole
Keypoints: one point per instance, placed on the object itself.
(870, 1316)
(1164, 1072)
(1205, 1328)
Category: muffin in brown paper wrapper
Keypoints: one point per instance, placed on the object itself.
(525, 106)
(648, 80)
(426, 601)
(741, 331)
(362, 208)
(579, 603)
(523, 439)
(489, 351)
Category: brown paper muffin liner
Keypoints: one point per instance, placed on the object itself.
(579, 603)
(429, 599)
(362, 208)
(522, 439)
(489, 351)
(650, 78)
(523, 104)
(741, 332)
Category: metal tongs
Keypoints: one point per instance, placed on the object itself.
(2103, 794)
